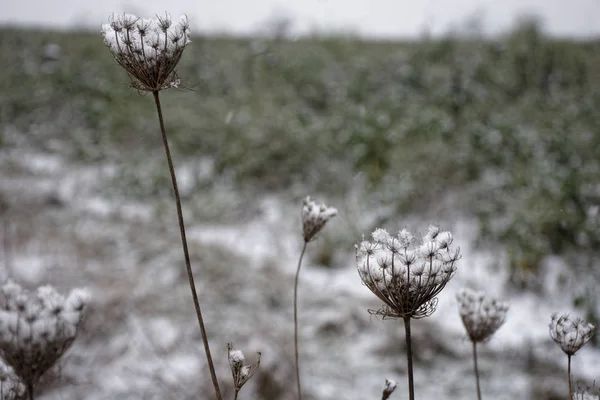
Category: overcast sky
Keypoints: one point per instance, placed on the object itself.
(379, 18)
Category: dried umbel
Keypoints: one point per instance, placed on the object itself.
(481, 316)
(314, 218)
(240, 371)
(388, 389)
(148, 49)
(36, 329)
(407, 274)
(570, 333)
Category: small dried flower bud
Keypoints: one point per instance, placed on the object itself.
(314, 218)
(571, 334)
(390, 386)
(481, 316)
(241, 373)
(236, 360)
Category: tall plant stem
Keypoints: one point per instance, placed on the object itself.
(569, 376)
(411, 386)
(476, 370)
(296, 320)
(186, 254)
(30, 391)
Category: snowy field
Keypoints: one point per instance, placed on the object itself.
(81, 212)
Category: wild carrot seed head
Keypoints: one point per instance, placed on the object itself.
(482, 316)
(570, 333)
(406, 275)
(149, 49)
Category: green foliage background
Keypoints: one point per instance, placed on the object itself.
(510, 124)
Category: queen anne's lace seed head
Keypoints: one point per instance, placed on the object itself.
(241, 373)
(481, 316)
(314, 218)
(570, 333)
(37, 329)
(149, 49)
(407, 276)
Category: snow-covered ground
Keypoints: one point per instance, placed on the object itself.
(141, 341)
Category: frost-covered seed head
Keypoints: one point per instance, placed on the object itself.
(314, 218)
(149, 49)
(570, 333)
(481, 316)
(406, 275)
(388, 389)
(241, 373)
(36, 329)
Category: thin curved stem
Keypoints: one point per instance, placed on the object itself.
(296, 320)
(476, 370)
(411, 386)
(569, 376)
(186, 254)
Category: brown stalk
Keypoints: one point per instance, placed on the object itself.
(188, 265)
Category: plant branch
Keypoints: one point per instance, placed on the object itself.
(296, 320)
(186, 253)
(476, 370)
(411, 387)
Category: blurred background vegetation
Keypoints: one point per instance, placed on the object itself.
(508, 126)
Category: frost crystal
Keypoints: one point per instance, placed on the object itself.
(481, 316)
(241, 373)
(37, 329)
(148, 49)
(570, 333)
(314, 218)
(388, 389)
(407, 276)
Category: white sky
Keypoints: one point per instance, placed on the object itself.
(380, 18)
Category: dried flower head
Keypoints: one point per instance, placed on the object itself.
(405, 274)
(388, 389)
(37, 329)
(239, 370)
(481, 316)
(148, 49)
(314, 218)
(570, 333)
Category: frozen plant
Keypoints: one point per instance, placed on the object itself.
(240, 371)
(571, 334)
(388, 389)
(407, 274)
(314, 217)
(37, 329)
(482, 317)
(149, 49)
(10, 386)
